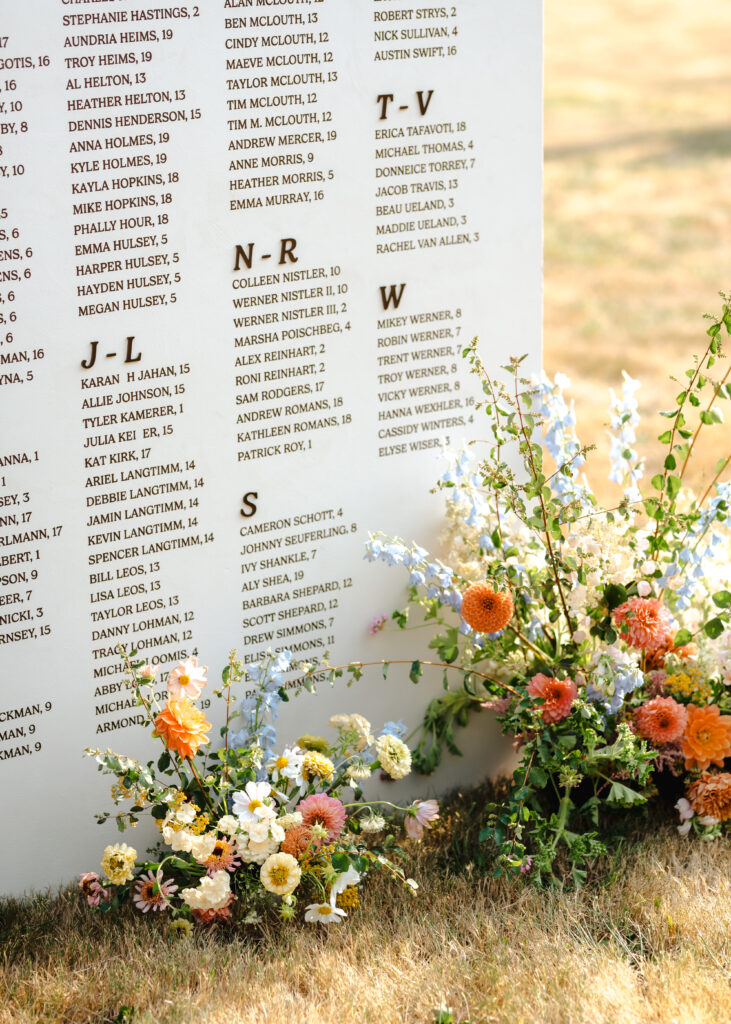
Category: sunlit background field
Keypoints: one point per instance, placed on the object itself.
(637, 196)
(638, 243)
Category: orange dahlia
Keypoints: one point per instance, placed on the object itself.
(182, 727)
(644, 622)
(300, 841)
(707, 737)
(558, 696)
(711, 796)
(661, 720)
(485, 609)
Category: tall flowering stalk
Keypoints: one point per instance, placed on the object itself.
(612, 669)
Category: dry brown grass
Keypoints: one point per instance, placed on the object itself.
(651, 945)
(638, 208)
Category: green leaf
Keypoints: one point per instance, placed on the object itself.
(682, 637)
(722, 599)
(673, 486)
(714, 628)
(538, 777)
(158, 812)
(713, 330)
(665, 437)
(670, 462)
(623, 796)
(415, 672)
(384, 669)
(658, 481)
(163, 762)
(614, 595)
(341, 861)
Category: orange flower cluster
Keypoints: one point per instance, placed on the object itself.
(558, 696)
(707, 737)
(182, 727)
(661, 720)
(644, 622)
(486, 610)
(711, 796)
(300, 841)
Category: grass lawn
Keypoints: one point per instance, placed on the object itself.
(649, 943)
(637, 204)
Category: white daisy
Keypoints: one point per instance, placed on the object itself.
(288, 766)
(323, 913)
(250, 805)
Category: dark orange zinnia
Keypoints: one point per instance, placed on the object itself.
(486, 610)
(711, 796)
(661, 720)
(707, 737)
(300, 841)
(182, 727)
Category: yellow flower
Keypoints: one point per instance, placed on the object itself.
(317, 765)
(689, 683)
(181, 928)
(280, 873)
(118, 863)
(348, 899)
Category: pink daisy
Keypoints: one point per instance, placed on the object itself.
(145, 898)
(224, 856)
(419, 816)
(93, 889)
(325, 810)
(187, 679)
(644, 622)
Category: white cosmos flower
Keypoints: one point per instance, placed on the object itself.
(288, 766)
(249, 805)
(341, 883)
(323, 913)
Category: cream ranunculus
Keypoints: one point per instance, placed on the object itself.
(393, 755)
(202, 846)
(212, 893)
(280, 873)
(118, 863)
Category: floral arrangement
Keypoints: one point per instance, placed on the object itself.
(599, 637)
(246, 830)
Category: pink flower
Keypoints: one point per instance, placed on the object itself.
(224, 856)
(377, 624)
(558, 696)
(187, 679)
(149, 671)
(93, 889)
(419, 816)
(324, 810)
(146, 898)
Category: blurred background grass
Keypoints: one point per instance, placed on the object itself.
(637, 202)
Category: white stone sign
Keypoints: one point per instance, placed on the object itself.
(242, 243)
